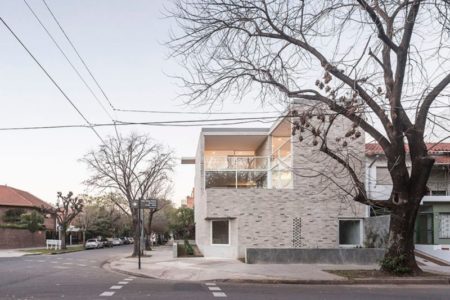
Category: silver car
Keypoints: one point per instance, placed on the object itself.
(92, 244)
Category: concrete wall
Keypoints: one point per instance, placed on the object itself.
(20, 238)
(376, 231)
(361, 256)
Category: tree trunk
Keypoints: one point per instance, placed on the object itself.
(136, 234)
(63, 239)
(400, 258)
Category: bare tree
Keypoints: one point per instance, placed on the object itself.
(135, 167)
(381, 64)
(67, 208)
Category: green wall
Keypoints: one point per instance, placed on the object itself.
(433, 209)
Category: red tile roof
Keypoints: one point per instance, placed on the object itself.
(374, 148)
(440, 152)
(10, 196)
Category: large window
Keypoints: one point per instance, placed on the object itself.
(350, 232)
(383, 176)
(444, 226)
(220, 232)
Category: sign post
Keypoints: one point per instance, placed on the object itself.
(142, 204)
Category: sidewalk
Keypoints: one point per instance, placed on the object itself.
(12, 253)
(161, 265)
(22, 251)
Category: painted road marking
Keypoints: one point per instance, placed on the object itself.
(219, 294)
(216, 291)
(115, 287)
(107, 294)
(128, 279)
(122, 282)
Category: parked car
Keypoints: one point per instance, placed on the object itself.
(93, 244)
(108, 242)
(131, 240)
(125, 240)
(117, 242)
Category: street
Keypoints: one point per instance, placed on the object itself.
(80, 275)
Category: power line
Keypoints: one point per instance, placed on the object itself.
(194, 112)
(157, 124)
(51, 78)
(68, 60)
(79, 56)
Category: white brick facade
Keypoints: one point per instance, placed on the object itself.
(267, 218)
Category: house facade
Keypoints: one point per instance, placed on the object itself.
(13, 203)
(263, 188)
(433, 220)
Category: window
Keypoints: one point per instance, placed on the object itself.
(444, 226)
(220, 232)
(350, 232)
(383, 176)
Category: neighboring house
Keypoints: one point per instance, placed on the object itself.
(189, 201)
(261, 188)
(433, 220)
(12, 199)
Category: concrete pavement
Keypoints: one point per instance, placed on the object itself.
(161, 265)
(12, 253)
(80, 276)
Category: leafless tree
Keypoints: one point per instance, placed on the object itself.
(67, 208)
(381, 64)
(135, 167)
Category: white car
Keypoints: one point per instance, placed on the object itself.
(117, 242)
(92, 244)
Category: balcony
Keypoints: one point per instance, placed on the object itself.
(247, 172)
(236, 171)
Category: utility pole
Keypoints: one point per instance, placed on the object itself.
(139, 230)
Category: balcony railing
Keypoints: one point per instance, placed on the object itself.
(233, 163)
(246, 172)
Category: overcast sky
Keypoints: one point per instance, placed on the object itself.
(122, 43)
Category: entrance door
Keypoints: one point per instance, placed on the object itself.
(425, 229)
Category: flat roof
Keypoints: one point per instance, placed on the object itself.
(234, 129)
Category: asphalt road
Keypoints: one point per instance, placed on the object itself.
(80, 275)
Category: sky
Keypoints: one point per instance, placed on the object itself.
(123, 43)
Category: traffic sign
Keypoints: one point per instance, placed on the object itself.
(146, 203)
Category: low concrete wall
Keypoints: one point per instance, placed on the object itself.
(359, 256)
(11, 238)
(175, 249)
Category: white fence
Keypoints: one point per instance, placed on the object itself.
(55, 243)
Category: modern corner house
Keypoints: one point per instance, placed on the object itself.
(262, 188)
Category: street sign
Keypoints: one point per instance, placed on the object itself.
(149, 203)
(146, 203)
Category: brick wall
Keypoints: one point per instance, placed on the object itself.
(306, 216)
(20, 238)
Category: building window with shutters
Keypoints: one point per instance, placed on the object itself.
(444, 226)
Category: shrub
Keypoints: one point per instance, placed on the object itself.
(33, 221)
(188, 248)
(395, 265)
(12, 215)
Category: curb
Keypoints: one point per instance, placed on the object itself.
(357, 281)
(362, 281)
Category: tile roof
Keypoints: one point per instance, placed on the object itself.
(10, 196)
(374, 148)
